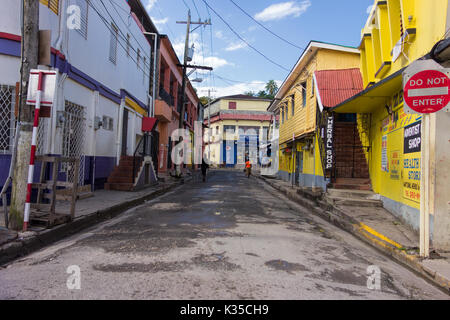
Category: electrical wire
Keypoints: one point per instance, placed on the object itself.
(123, 34)
(109, 27)
(245, 41)
(264, 27)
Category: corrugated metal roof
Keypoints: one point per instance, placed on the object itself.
(336, 86)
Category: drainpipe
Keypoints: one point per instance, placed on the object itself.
(119, 130)
(62, 17)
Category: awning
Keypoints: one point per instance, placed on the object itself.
(369, 100)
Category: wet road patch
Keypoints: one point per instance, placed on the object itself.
(283, 265)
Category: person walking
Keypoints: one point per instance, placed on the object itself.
(248, 168)
(204, 167)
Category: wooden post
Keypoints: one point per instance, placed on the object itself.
(30, 45)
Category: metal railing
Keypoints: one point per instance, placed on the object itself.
(165, 96)
(142, 150)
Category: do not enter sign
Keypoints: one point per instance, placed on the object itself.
(427, 91)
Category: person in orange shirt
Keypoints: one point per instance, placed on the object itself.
(248, 168)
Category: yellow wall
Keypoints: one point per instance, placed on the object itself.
(398, 181)
(390, 183)
(380, 34)
(245, 105)
(304, 118)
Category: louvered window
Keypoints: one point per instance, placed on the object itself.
(52, 5)
(84, 7)
(113, 44)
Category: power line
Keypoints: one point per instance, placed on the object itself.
(237, 81)
(162, 17)
(267, 29)
(187, 6)
(196, 9)
(109, 27)
(245, 41)
(143, 50)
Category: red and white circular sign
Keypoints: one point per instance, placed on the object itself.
(427, 91)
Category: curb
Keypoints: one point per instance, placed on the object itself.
(380, 242)
(20, 248)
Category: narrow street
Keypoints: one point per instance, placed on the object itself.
(228, 238)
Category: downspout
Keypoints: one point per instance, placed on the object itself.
(62, 17)
(119, 130)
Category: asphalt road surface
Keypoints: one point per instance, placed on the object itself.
(228, 238)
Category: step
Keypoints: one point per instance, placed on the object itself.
(352, 181)
(119, 186)
(353, 202)
(367, 187)
(353, 194)
(120, 180)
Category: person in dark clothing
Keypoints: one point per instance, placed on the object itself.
(204, 167)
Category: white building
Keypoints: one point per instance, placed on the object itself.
(104, 65)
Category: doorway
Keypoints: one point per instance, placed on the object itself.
(124, 132)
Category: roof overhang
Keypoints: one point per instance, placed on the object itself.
(370, 99)
(306, 56)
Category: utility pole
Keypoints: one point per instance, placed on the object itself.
(185, 66)
(30, 53)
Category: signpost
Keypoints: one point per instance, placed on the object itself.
(41, 91)
(426, 88)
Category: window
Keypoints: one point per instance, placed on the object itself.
(145, 68)
(217, 130)
(52, 5)
(108, 123)
(282, 115)
(232, 105)
(303, 94)
(286, 112)
(230, 129)
(312, 86)
(138, 60)
(128, 45)
(113, 44)
(293, 104)
(84, 6)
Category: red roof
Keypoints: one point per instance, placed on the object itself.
(336, 86)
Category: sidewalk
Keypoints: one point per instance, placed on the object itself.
(102, 206)
(377, 227)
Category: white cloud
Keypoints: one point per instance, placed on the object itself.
(201, 55)
(369, 9)
(216, 62)
(159, 22)
(236, 46)
(238, 88)
(282, 10)
(149, 4)
(219, 34)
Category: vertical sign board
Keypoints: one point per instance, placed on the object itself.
(329, 153)
(411, 162)
(426, 88)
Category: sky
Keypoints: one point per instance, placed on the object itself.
(246, 58)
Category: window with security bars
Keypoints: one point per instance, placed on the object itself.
(73, 139)
(52, 5)
(113, 43)
(7, 100)
(83, 18)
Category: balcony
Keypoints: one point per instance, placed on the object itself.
(166, 97)
(163, 111)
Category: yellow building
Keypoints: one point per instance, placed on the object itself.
(397, 32)
(230, 120)
(296, 103)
